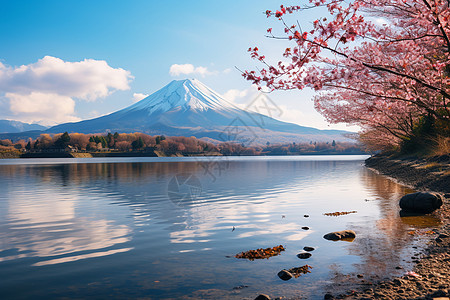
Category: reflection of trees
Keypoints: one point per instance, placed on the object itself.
(383, 187)
(86, 173)
(76, 174)
(383, 245)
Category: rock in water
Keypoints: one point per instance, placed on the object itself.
(304, 255)
(422, 202)
(262, 297)
(340, 235)
(285, 275)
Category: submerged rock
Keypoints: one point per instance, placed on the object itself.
(294, 272)
(240, 287)
(309, 249)
(285, 275)
(422, 202)
(304, 255)
(261, 253)
(340, 235)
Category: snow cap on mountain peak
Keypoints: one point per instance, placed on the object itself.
(187, 94)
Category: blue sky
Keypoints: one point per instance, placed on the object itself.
(141, 38)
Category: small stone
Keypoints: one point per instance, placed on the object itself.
(328, 296)
(285, 275)
(305, 228)
(262, 297)
(304, 255)
(309, 249)
(399, 267)
(360, 276)
(443, 236)
(306, 216)
(240, 287)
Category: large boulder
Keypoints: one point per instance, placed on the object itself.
(340, 235)
(421, 202)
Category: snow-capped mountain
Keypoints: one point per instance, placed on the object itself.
(190, 108)
(17, 126)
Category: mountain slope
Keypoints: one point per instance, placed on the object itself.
(8, 126)
(189, 108)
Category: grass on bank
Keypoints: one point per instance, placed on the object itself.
(429, 138)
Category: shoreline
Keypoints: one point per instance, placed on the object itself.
(431, 174)
(431, 273)
(69, 155)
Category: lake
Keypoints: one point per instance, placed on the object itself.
(168, 228)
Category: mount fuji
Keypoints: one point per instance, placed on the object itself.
(190, 108)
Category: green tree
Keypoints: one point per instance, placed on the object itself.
(137, 144)
(103, 140)
(110, 139)
(63, 141)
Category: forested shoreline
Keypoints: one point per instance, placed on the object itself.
(140, 144)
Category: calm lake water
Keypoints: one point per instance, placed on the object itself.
(162, 228)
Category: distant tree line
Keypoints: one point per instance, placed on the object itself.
(126, 142)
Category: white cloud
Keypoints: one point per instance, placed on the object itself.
(138, 97)
(43, 108)
(241, 97)
(188, 69)
(44, 91)
(292, 115)
(88, 79)
(233, 95)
